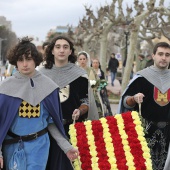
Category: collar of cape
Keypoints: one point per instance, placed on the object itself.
(31, 89)
(63, 76)
(159, 78)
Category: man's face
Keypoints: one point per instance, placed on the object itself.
(112, 56)
(26, 65)
(61, 51)
(162, 57)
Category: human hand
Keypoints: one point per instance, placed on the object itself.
(76, 114)
(1, 162)
(72, 154)
(138, 97)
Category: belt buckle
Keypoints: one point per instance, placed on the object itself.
(35, 135)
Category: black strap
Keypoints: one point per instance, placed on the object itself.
(17, 138)
(11, 134)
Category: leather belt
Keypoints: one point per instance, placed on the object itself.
(67, 121)
(17, 138)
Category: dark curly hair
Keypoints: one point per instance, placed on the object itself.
(50, 57)
(24, 47)
(46, 43)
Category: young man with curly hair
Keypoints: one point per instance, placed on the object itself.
(61, 68)
(29, 108)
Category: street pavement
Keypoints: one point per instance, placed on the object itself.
(116, 89)
(114, 108)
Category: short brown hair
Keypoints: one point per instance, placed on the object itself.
(24, 46)
(160, 44)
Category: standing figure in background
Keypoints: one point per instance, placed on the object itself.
(149, 60)
(103, 92)
(10, 69)
(83, 62)
(29, 108)
(142, 62)
(113, 66)
(44, 47)
(150, 88)
(61, 68)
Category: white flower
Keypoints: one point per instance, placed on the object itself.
(92, 82)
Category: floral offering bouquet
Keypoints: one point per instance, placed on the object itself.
(99, 84)
(111, 143)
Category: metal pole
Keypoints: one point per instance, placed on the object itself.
(0, 49)
(1, 39)
(126, 36)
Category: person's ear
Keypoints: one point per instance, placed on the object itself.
(52, 52)
(70, 52)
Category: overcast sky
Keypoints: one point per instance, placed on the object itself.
(37, 17)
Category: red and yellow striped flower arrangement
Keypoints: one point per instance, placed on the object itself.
(111, 143)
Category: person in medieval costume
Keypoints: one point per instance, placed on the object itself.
(103, 91)
(149, 93)
(61, 68)
(95, 102)
(29, 108)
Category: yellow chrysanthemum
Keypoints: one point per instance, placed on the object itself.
(146, 155)
(137, 122)
(145, 148)
(132, 167)
(109, 144)
(134, 115)
(139, 128)
(124, 142)
(92, 145)
(88, 122)
(141, 138)
(94, 167)
(124, 137)
(103, 120)
(92, 153)
(112, 160)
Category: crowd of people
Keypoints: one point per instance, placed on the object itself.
(46, 93)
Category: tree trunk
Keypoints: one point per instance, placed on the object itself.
(103, 52)
(130, 59)
(132, 47)
(86, 41)
(104, 45)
